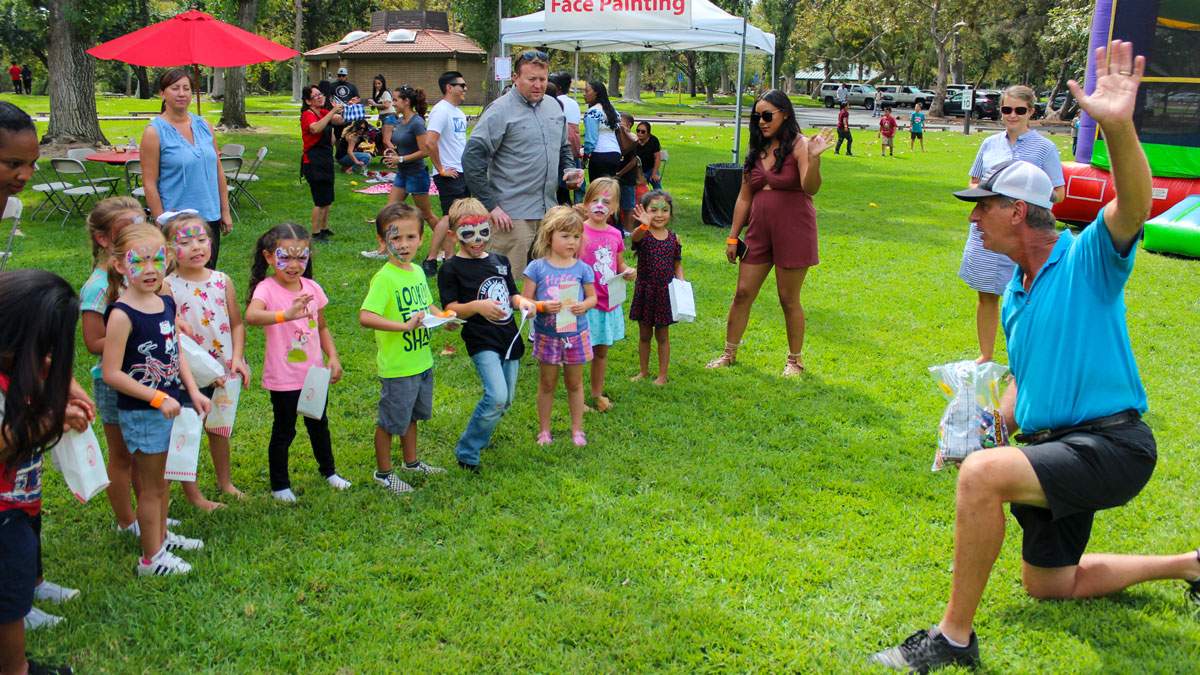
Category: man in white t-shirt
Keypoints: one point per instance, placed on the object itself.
(445, 139)
(574, 115)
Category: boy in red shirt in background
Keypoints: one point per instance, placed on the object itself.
(14, 74)
(887, 130)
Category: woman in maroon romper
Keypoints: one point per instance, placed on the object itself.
(781, 175)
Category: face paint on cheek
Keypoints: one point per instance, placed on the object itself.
(389, 238)
(140, 263)
(284, 257)
(599, 208)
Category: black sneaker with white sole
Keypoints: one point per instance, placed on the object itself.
(393, 483)
(927, 650)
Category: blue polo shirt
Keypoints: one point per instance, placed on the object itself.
(1068, 345)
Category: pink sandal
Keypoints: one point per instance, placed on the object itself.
(544, 438)
(578, 439)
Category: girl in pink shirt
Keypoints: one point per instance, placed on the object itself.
(291, 310)
(603, 245)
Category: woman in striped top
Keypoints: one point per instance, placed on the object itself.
(986, 271)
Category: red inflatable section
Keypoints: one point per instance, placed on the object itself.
(1089, 188)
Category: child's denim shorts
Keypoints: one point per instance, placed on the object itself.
(145, 431)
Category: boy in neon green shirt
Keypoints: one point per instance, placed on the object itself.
(395, 307)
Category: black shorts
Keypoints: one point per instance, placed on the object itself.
(322, 192)
(19, 554)
(1081, 473)
(451, 190)
(917, 134)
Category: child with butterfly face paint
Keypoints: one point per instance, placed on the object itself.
(208, 305)
(479, 286)
(291, 310)
(603, 246)
(143, 362)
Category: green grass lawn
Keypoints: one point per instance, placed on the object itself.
(730, 521)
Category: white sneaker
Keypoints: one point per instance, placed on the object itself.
(374, 255)
(174, 522)
(174, 542)
(162, 564)
(337, 482)
(424, 468)
(36, 619)
(285, 495)
(48, 590)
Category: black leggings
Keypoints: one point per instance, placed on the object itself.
(283, 432)
(603, 164)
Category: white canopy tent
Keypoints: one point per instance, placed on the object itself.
(712, 30)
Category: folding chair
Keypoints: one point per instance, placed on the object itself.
(231, 167)
(662, 166)
(133, 179)
(77, 197)
(12, 211)
(52, 191)
(81, 155)
(241, 180)
(233, 150)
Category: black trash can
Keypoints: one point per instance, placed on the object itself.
(722, 182)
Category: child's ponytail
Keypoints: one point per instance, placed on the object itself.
(267, 242)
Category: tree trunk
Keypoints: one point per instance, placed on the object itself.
(633, 78)
(691, 73)
(935, 109)
(724, 87)
(72, 82)
(614, 77)
(233, 111)
(218, 84)
(298, 45)
(958, 62)
(143, 80)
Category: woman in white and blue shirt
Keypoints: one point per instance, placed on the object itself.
(986, 271)
(601, 149)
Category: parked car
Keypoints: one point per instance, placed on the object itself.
(986, 104)
(860, 94)
(898, 95)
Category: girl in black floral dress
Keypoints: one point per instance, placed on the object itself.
(659, 256)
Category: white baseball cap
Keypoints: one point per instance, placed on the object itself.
(1015, 179)
(343, 71)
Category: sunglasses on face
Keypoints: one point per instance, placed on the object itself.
(768, 117)
(459, 84)
(1008, 110)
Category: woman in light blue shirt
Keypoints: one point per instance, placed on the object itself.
(986, 271)
(180, 164)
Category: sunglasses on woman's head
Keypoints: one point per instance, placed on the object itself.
(768, 117)
(1008, 110)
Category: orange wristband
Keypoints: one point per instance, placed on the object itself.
(644, 228)
(157, 401)
(731, 240)
(279, 318)
(539, 306)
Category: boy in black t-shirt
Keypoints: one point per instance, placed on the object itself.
(479, 287)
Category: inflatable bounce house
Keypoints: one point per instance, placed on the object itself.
(1167, 33)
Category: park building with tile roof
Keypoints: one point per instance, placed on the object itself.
(406, 47)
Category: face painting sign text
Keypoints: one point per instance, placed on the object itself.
(618, 14)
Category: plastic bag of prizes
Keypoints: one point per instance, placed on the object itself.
(972, 419)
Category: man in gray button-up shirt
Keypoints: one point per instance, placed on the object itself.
(515, 157)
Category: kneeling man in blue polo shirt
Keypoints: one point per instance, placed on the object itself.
(1077, 397)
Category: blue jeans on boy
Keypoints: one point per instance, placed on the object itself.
(499, 378)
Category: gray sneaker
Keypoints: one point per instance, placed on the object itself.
(36, 619)
(393, 483)
(424, 468)
(927, 650)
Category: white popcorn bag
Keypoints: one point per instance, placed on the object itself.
(314, 393)
(224, 407)
(79, 459)
(204, 368)
(183, 453)
(683, 303)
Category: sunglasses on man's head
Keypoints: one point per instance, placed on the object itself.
(1008, 110)
(768, 117)
(533, 55)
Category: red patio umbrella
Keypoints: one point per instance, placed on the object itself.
(192, 38)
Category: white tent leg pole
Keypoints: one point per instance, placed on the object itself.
(737, 129)
(577, 50)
